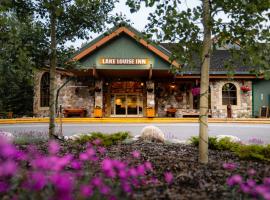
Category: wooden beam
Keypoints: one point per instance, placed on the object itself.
(217, 77)
(150, 72)
(95, 74)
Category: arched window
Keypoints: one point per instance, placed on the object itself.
(45, 90)
(229, 94)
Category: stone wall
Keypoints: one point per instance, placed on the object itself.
(75, 94)
(242, 109)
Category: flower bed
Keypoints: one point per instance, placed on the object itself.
(138, 170)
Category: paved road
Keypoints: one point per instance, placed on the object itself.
(181, 131)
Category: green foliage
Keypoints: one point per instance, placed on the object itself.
(107, 139)
(254, 152)
(247, 152)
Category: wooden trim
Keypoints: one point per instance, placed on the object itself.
(131, 34)
(217, 76)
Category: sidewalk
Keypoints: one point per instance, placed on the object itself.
(137, 120)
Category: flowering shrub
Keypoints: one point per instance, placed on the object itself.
(195, 91)
(249, 186)
(245, 88)
(31, 174)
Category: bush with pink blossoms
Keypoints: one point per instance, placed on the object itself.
(31, 174)
(249, 186)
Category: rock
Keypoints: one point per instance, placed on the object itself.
(152, 133)
(176, 141)
(7, 135)
(231, 138)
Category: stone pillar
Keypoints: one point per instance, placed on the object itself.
(150, 100)
(99, 94)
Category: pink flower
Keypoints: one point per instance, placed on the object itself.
(135, 154)
(141, 170)
(83, 156)
(54, 147)
(229, 166)
(75, 164)
(101, 150)
(168, 176)
(251, 172)
(104, 189)
(96, 181)
(36, 181)
(86, 191)
(97, 142)
(8, 168)
(234, 180)
(148, 166)
(126, 187)
(107, 164)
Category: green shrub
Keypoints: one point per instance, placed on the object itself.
(254, 152)
(107, 139)
(248, 152)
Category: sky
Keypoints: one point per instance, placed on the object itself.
(138, 20)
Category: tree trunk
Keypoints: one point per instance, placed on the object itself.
(207, 43)
(52, 74)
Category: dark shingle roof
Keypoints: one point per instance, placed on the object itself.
(219, 60)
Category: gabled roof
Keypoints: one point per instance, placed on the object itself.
(130, 31)
(217, 63)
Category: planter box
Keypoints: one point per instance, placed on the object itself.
(150, 112)
(98, 112)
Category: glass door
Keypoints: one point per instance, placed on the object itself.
(126, 105)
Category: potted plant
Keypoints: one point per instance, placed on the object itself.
(97, 111)
(245, 88)
(195, 91)
(150, 112)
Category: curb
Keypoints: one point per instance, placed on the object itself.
(133, 120)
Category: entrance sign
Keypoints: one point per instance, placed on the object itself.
(124, 61)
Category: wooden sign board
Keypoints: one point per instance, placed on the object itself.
(124, 61)
(264, 110)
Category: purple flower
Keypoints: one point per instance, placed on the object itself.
(54, 147)
(36, 181)
(251, 183)
(104, 189)
(234, 180)
(266, 181)
(4, 187)
(96, 181)
(148, 166)
(101, 150)
(75, 164)
(8, 168)
(133, 172)
(123, 174)
(97, 142)
(168, 176)
(107, 164)
(245, 188)
(62, 182)
(141, 170)
(135, 154)
(86, 191)
(229, 166)
(83, 156)
(126, 187)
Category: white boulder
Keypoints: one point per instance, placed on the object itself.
(152, 133)
(230, 137)
(7, 136)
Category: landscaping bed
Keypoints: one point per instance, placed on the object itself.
(191, 180)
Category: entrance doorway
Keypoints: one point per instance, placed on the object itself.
(126, 105)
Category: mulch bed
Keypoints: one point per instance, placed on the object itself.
(192, 180)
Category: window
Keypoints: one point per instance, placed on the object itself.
(229, 94)
(45, 90)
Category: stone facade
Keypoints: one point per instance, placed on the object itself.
(75, 94)
(85, 93)
(242, 109)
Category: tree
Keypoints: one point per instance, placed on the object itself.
(21, 48)
(247, 24)
(65, 20)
